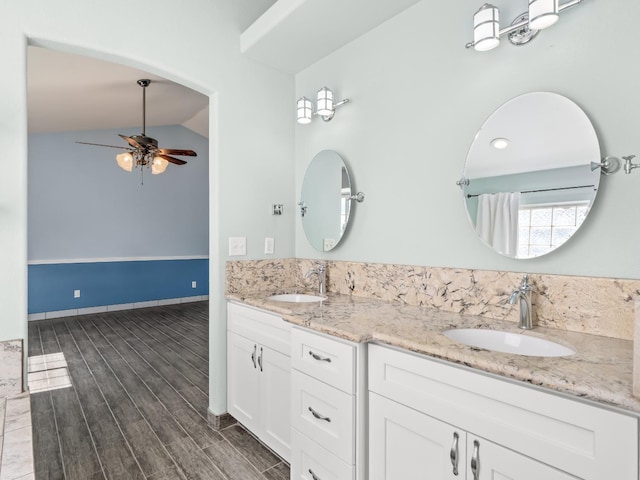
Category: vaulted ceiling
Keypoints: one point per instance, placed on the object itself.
(69, 92)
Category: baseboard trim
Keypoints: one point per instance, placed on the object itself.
(220, 422)
(113, 308)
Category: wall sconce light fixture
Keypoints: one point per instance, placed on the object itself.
(325, 106)
(541, 14)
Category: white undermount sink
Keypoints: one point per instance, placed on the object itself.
(508, 342)
(296, 298)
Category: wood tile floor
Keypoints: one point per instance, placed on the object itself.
(137, 406)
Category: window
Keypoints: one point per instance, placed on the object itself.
(542, 228)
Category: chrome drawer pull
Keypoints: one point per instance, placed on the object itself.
(475, 460)
(313, 475)
(260, 359)
(454, 453)
(318, 416)
(319, 358)
(253, 356)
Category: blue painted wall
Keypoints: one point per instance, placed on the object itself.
(51, 286)
(94, 227)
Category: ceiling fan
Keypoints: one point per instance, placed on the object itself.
(143, 151)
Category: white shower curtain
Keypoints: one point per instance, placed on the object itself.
(497, 221)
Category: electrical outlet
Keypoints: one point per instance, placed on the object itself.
(268, 245)
(237, 246)
(76, 294)
(193, 284)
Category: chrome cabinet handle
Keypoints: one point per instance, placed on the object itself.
(454, 453)
(319, 358)
(260, 359)
(475, 460)
(318, 416)
(253, 356)
(313, 475)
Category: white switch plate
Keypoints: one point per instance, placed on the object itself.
(193, 284)
(269, 245)
(76, 294)
(237, 246)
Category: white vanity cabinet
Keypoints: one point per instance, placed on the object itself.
(328, 396)
(405, 443)
(427, 416)
(259, 375)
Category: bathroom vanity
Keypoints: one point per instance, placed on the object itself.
(378, 392)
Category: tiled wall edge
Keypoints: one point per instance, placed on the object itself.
(114, 308)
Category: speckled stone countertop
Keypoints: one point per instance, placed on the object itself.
(601, 369)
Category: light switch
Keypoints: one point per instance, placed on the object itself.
(237, 246)
(268, 245)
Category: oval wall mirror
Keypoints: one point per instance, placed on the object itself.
(528, 180)
(325, 200)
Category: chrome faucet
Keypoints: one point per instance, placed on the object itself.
(321, 272)
(523, 296)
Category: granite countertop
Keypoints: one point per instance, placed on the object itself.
(601, 369)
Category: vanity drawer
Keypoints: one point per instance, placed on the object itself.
(325, 414)
(308, 459)
(261, 327)
(329, 360)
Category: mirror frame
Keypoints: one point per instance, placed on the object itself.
(556, 138)
(325, 230)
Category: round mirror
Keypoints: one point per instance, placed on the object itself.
(325, 202)
(529, 179)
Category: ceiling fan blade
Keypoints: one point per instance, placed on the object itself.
(102, 145)
(175, 151)
(131, 141)
(169, 159)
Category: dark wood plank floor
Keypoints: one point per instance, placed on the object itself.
(138, 403)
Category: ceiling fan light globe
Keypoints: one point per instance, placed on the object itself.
(125, 161)
(159, 165)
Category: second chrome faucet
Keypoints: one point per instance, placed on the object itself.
(321, 272)
(523, 296)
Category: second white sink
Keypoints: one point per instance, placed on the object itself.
(296, 298)
(508, 342)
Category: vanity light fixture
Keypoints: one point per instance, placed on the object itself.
(541, 14)
(325, 106)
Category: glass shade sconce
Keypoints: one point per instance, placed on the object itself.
(540, 15)
(325, 106)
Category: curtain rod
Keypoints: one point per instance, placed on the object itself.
(541, 190)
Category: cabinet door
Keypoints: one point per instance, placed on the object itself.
(493, 462)
(406, 444)
(275, 400)
(243, 388)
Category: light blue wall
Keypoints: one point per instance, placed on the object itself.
(419, 97)
(83, 206)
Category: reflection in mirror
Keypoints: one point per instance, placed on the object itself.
(326, 200)
(529, 182)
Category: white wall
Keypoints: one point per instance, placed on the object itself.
(250, 128)
(83, 206)
(418, 98)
